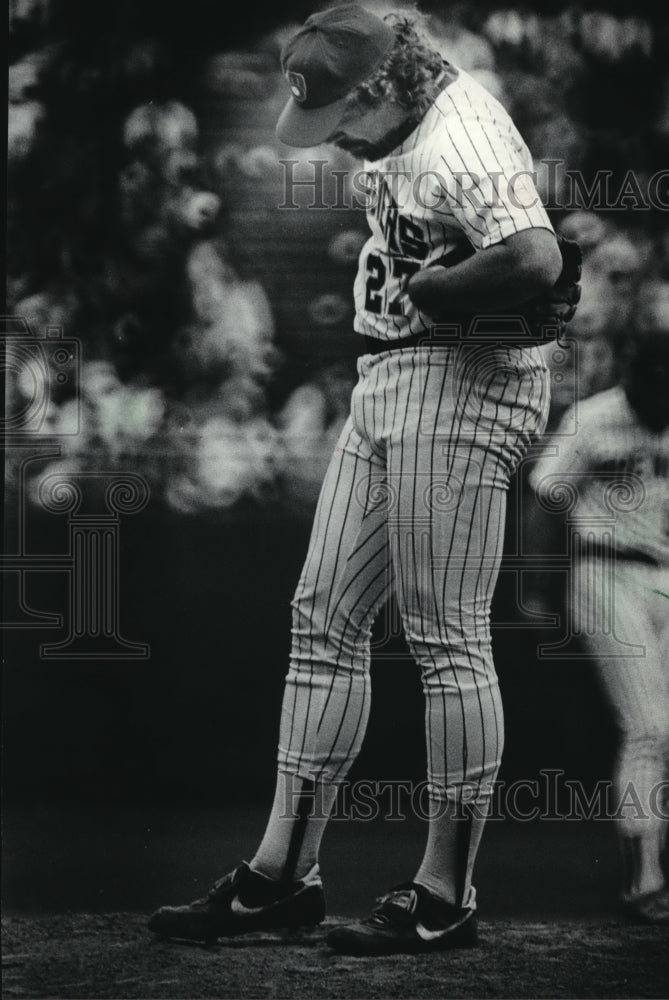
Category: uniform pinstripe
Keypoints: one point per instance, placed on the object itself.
(620, 471)
(417, 504)
(461, 180)
(414, 498)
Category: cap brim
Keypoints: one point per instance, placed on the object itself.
(304, 127)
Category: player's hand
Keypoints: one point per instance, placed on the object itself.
(423, 287)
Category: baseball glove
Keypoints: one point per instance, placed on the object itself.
(547, 315)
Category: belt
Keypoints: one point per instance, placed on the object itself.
(620, 555)
(375, 346)
(479, 331)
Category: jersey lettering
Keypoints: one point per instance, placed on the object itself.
(376, 271)
(376, 279)
(411, 239)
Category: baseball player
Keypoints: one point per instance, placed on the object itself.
(616, 466)
(413, 501)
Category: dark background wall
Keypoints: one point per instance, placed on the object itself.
(198, 719)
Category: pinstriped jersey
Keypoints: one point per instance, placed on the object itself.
(619, 469)
(461, 182)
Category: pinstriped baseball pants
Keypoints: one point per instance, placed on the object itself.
(623, 622)
(414, 501)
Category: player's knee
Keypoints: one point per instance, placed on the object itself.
(332, 636)
(444, 665)
(461, 639)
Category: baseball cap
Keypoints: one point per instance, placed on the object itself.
(334, 51)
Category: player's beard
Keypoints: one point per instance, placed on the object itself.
(361, 149)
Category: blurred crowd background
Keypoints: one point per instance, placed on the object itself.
(145, 219)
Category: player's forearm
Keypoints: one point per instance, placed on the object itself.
(503, 275)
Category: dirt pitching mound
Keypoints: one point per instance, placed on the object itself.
(114, 956)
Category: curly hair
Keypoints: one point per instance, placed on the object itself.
(406, 75)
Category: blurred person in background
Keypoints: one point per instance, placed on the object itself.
(616, 467)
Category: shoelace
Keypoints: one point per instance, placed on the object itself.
(390, 911)
(222, 885)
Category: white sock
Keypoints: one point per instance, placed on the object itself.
(291, 842)
(642, 869)
(453, 840)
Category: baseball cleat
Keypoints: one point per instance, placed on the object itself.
(243, 901)
(652, 908)
(407, 919)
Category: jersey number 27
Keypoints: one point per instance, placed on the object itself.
(377, 275)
